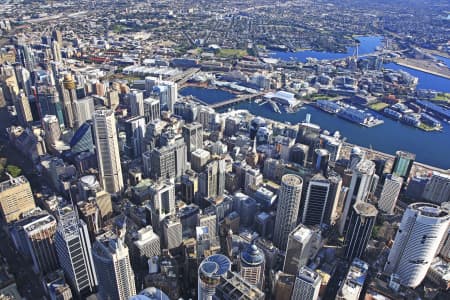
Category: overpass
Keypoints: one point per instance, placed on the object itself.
(236, 100)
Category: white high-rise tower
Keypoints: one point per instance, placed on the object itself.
(417, 241)
(107, 147)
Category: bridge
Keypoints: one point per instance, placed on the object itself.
(236, 100)
(181, 78)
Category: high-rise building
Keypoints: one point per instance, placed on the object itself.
(136, 99)
(389, 194)
(363, 183)
(162, 163)
(135, 132)
(352, 286)
(152, 110)
(74, 252)
(210, 272)
(437, 189)
(41, 244)
(288, 206)
(362, 220)
(209, 221)
(23, 109)
(199, 158)
(402, 164)
(107, 147)
(417, 241)
(232, 286)
(16, 198)
(316, 200)
(252, 265)
(83, 108)
(298, 249)
(112, 263)
(69, 96)
(56, 51)
(172, 232)
(168, 94)
(82, 140)
(321, 159)
(193, 137)
(147, 244)
(307, 284)
(51, 128)
(162, 202)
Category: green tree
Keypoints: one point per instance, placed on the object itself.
(15, 171)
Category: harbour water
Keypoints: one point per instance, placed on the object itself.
(431, 148)
(368, 44)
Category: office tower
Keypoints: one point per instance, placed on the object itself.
(23, 109)
(251, 265)
(57, 36)
(210, 272)
(74, 252)
(353, 284)
(298, 249)
(90, 214)
(288, 205)
(307, 284)
(69, 96)
(402, 164)
(40, 238)
(437, 189)
(162, 163)
(316, 201)
(112, 264)
(253, 179)
(247, 212)
(168, 94)
(180, 149)
(363, 183)
(162, 202)
(321, 158)
(334, 194)
(49, 103)
(136, 99)
(199, 158)
(416, 187)
(51, 129)
(112, 97)
(299, 154)
(56, 51)
(172, 232)
(362, 220)
(147, 244)
(232, 286)
(107, 148)
(421, 231)
(26, 56)
(152, 109)
(207, 180)
(23, 79)
(82, 140)
(189, 187)
(193, 137)
(135, 131)
(209, 221)
(84, 109)
(389, 194)
(16, 198)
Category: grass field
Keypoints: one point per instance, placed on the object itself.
(232, 53)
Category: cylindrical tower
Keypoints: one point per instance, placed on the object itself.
(288, 205)
(421, 231)
(210, 271)
(251, 265)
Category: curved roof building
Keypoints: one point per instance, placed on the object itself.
(210, 271)
(252, 265)
(151, 293)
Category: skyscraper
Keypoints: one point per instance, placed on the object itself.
(107, 147)
(288, 205)
(162, 163)
(437, 189)
(389, 194)
(162, 202)
(83, 108)
(298, 249)
(113, 267)
(16, 198)
(251, 265)
(307, 284)
(402, 164)
(152, 110)
(316, 200)
(82, 140)
(135, 131)
(41, 244)
(193, 137)
(417, 240)
(172, 232)
(74, 252)
(210, 272)
(69, 96)
(363, 183)
(23, 109)
(362, 220)
(51, 129)
(136, 99)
